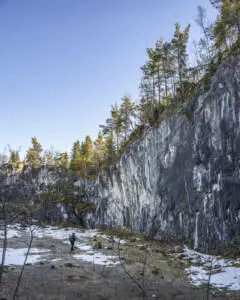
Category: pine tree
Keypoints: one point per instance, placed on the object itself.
(110, 149)
(165, 56)
(151, 77)
(87, 149)
(64, 160)
(61, 160)
(99, 151)
(87, 168)
(33, 156)
(48, 157)
(227, 28)
(76, 151)
(127, 113)
(75, 156)
(179, 44)
(113, 125)
(14, 159)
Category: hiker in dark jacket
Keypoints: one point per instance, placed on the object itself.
(72, 240)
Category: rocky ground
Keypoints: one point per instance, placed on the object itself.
(100, 268)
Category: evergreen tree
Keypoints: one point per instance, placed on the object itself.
(64, 159)
(14, 159)
(151, 77)
(165, 56)
(143, 112)
(87, 149)
(110, 149)
(127, 113)
(75, 156)
(61, 160)
(99, 150)
(33, 156)
(76, 151)
(113, 125)
(179, 44)
(87, 168)
(48, 157)
(227, 28)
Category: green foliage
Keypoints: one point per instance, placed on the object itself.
(33, 157)
(227, 27)
(99, 151)
(179, 44)
(85, 207)
(210, 71)
(110, 150)
(75, 198)
(127, 113)
(76, 152)
(87, 149)
(113, 125)
(118, 232)
(62, 160)
(14, 160)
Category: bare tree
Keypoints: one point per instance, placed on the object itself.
(205, 41)
(4, 249)
(24, 263)
(154, 229)
(139, 285)
(211, 259)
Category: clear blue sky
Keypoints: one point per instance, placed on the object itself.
(64, 62)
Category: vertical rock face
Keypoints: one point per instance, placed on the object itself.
(182, 179)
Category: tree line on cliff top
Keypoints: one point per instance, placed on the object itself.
(167, 82)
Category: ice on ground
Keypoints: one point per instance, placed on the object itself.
(12, 231)
(58, 233)
(63, 233)
(221, 272)
(83, 247)
(117, 240)
(17, 256)
(228, 277)
(56, 259)
(98, 258)
(197, 257)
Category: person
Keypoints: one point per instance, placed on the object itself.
(72, 239)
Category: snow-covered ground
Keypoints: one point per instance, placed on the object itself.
(12, 231)
(222, 273)
(225, 273)
(16, 256)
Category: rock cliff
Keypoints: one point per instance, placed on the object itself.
(182, 179)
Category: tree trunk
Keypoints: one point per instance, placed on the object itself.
(4, 250)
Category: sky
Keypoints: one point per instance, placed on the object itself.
(63, 63)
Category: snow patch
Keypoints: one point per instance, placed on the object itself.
(17, 256)
(223, 272)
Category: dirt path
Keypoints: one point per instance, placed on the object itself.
(61, 276)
